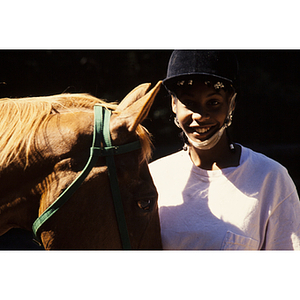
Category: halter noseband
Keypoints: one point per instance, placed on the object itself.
(101, 136)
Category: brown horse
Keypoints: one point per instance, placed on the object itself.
(44, 146)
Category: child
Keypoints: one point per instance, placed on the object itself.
(215, 194)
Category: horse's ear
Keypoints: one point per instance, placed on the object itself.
(135, 107)
(135, 94)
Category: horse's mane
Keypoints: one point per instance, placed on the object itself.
(21, 118)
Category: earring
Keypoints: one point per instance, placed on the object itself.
(176, 122)
(228, 121)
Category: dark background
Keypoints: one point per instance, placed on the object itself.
(266, 117)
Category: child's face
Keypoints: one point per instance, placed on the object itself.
(201, 110)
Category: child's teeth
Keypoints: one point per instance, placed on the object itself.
(202, 130)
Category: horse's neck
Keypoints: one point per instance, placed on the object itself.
(64, 132)
(22, 187)
(19, 200)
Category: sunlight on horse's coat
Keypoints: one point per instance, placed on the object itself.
(44, 145)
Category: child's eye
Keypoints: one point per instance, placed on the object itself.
(213, 102)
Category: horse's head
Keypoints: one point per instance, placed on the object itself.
(45, 146)
(138, 193)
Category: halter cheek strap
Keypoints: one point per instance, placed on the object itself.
(101, 146)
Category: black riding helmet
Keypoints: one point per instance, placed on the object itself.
(219, 64)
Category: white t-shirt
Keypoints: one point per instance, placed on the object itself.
(250, 207)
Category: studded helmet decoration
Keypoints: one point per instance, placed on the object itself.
(184, 65)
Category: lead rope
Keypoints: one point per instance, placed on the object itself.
(101, 126)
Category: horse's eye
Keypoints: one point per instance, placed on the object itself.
(144, 204)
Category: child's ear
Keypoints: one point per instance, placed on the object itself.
(174, 104)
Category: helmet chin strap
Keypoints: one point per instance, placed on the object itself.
(212, 141)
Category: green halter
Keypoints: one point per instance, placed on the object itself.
(101, 136)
